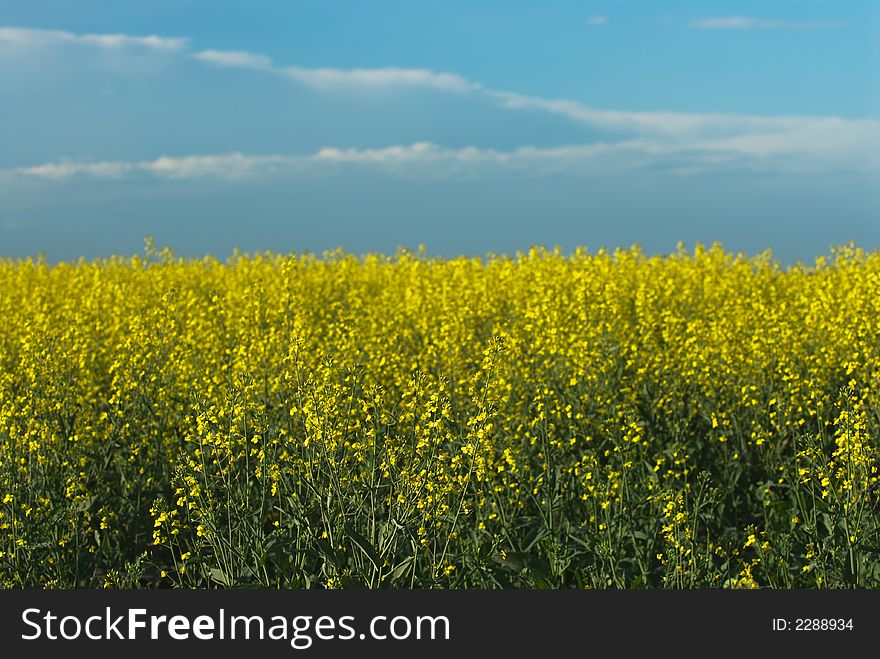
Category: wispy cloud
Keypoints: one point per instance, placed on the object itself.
(751, 23)
(687, 141)
(383, 77)
(742, 134)
(59, 171)
(335, 78)
(390, 154)
(596, 21)
(235, 58)
(801, 147)
(780, 143)
(26, 38)
(222, 166)
(680, 124)
(417, 160)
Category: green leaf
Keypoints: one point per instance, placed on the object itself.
(364, 545)
(220, 577)
(329, 553)
(401, 569)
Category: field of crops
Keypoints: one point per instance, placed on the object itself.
(549, 420)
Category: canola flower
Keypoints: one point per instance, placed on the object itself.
(551, 420)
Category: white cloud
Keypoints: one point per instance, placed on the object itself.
(383, 77)
(708, 128)
(223, 166)
(668, 123)
(235, 58)
(807, 144)
(23, 39)
(633, 139)
(26, 38)
(795, 146)
(327, 78)
(391, 154)
(750, 23)
(522, 157)
(220, 166)
(59, 171)
(788, 143)
(597, 20)
(417, 160)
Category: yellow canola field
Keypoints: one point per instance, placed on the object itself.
(608, 419)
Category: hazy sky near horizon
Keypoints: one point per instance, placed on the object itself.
(468, 127)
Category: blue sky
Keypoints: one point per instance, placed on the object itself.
(469, 127)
